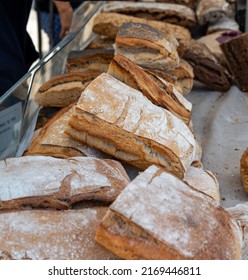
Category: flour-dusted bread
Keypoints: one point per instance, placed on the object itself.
(244, 169)
(62, 90)
(89, 60)
(147, 46)
(120, 121)
(108, 24)
(52, 140)
(159, 92)
(51, 235)
(206, 68)
(223, 24)
(157, 216)
(41, 181)
(240, 213)
(211, 11)
(172, 13)
(204, 181)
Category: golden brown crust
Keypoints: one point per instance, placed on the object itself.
(153, 88)
(244, 169)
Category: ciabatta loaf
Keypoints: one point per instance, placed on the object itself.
(51, 235)
(108, 24)
(47, 182)
(159, 92)
(52, 140)
(204, 181)
(157, 216)
(244, 169)
(147, 46)
(172, 13)
(120, 121)
(89, 61)
(62, 90)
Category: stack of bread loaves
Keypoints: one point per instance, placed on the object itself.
(123, 104)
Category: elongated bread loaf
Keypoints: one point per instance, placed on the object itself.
(157, 216)
(62, 90)
(160, 93)
(120, 121)
(51, 235)
(47, 182)
(172, 13)
(204, 181)
(147, 46)
(52, 140)
(244, 169)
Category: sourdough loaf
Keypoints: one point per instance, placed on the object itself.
(159, 92)
(172, 13)
(47, 182)
(120, 121)
(63, 89)
(52, 140)
(157, 216)
(51, 235)
(147, 46)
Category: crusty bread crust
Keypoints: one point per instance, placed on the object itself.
(244, 169)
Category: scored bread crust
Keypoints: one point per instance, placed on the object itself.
(160, 93)
(157, 216)
(47, 182)
(120, 121)
(51, 235)
(172, 13)
(62, 90)
(52, 140)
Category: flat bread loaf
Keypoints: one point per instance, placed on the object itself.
(157, 216)
(51, 235)
(47, 182)
(120, 121)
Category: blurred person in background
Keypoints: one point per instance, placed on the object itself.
(17, 52)
(55, 18)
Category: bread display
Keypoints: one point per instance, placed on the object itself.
(157, 217)
(204, 181)
(212, 10)
(108, 24)
(89, 61)
(62, 90)
(120, 121)
(47, 182)
(51, 235)
(147, 46)
(172, 13)
(207, 70)
(240, 213)
(244, 169)
(236, 55)
(52, 140)
(160, 93)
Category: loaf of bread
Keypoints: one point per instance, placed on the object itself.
(62, 90)
(236, 55)
(47, 182)
(172, 13)
(223, 24)
(89, 61)
(51, 235)
(204, 181)
(147, 46)
(244, 169)
(189, 3)
(240, 213)
(52, 140)
(159, 92)
(157, 216)
(108, 24)
(102, 42)
(120, 121)
(212, 10)
(206, 68)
